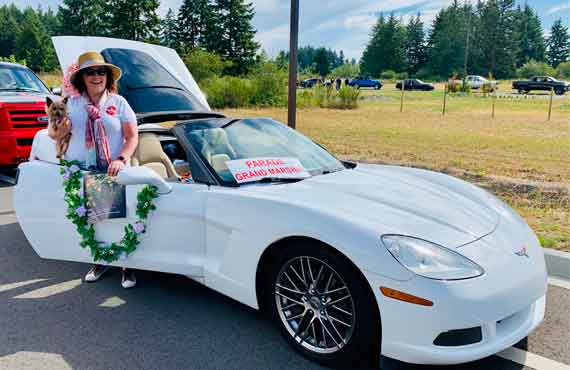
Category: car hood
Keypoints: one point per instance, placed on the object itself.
(21, 97)
(398, 200)
(68, 48)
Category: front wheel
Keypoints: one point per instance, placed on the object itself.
(377, 86)
(559, 91)
(324, 307)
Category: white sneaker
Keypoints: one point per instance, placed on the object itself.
(128, 279)
(95, 273)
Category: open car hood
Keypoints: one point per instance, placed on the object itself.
(150, 72)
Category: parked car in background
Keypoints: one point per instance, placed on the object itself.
(22, 112)
(545, 83)
(310, 82)
(478, 82)
(360, 82)
(415, 84)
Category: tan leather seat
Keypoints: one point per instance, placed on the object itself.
(149, 154)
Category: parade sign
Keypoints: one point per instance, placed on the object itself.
(254, 169)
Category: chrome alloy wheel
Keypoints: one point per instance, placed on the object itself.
(315, 305)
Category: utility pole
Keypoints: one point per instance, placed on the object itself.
(293, 44)
(466, 57)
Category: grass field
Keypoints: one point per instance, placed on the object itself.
(519, 143)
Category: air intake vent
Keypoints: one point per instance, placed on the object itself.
(459, 337)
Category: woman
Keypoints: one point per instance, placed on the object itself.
(104, 132)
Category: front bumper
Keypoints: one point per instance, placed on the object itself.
(15, 147)
(507, 302)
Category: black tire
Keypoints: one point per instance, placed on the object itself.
(362, 347)
(377, 86)
(559, 91)
(521, 91)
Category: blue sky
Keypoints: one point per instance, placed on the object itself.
(340, 24)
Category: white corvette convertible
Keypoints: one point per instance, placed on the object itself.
(350, 260)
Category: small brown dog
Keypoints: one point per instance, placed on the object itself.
(59, 127)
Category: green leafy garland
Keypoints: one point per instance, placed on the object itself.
(77, 214)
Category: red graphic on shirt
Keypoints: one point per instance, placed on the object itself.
(111, 110)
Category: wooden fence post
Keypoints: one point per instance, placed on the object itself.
(493, 98)
(550, 103)
(402, 98)
(444, 98)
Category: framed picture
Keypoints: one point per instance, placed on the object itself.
(105, 197)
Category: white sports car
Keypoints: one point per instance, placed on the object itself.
(350, 260)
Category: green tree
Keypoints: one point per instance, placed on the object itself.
(558, 44)
(84, 17)
(168, 30)
(415, 45)
(528, 35)
(204, 65)
(234, 38)
(496, 38)
(32, 43)
(9, 30)
(195, 25)
(346, 70)
(322, 62)
(134, 19)
(563, 70)
(385, 50)
(533, 68)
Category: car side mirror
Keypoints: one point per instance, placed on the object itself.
(143, 176)
(56, 90)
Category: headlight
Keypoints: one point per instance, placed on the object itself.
(430, 260)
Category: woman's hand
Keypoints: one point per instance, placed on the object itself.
(114, 167)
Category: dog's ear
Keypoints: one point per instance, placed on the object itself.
(65, 99)
(48, 101)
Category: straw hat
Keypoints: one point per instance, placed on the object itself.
(93, 59)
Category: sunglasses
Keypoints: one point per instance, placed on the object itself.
(96, 71)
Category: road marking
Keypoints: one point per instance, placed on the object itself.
(34, 360)
(50, 290)
(561, 283)
(531, 360)
(19, 284)
(112, 302)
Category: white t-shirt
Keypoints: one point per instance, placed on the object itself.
(115, 112)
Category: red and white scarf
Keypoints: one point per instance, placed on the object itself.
(96, 140)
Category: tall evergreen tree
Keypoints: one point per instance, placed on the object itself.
(9, 29)
(415, 45)
(385, 50)
(496, 38)
(558, 44)
(447, 41)
(134, 19)
(33, 44)
(528, 34)
(235, 36)
(83, 17)
(322, 62)
(196, 25)
(168, 30)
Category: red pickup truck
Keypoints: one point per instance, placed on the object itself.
(22, 112)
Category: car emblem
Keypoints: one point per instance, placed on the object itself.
(522, 252)
(43, 119)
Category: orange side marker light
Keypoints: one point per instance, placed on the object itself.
(401, 296)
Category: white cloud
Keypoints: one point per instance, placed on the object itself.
(559, 8)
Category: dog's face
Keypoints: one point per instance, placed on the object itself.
(56, 109)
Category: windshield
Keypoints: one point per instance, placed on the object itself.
(255, 138)
(20, 79)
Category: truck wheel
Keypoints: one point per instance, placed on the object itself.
(521, 91)
(559, 91)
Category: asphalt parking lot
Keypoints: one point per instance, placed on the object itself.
(50, 320)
